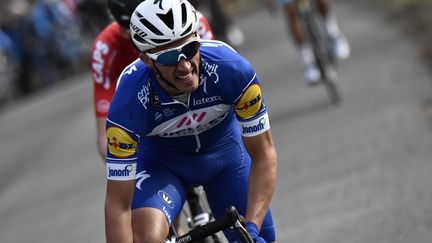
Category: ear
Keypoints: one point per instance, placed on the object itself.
(147, 60)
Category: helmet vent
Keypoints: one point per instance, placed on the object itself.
(183, 14)
(167, 18)
(139, 39)
(150, 26)
(187, 30)
(160, 41)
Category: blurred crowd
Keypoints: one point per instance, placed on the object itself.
(44, 41)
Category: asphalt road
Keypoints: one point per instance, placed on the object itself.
(360, 172)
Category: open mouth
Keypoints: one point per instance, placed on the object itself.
(186, 76)
(186, 79)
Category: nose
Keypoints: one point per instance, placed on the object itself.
(184, 64)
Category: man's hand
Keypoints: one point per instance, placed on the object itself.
(252, 228)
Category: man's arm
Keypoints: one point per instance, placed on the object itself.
(262, 177)
(118, 227)
(101, 136)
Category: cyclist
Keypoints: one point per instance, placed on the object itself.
(340, 46)
(174, 122)
(113, 50)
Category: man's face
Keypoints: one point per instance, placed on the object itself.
(179, 65)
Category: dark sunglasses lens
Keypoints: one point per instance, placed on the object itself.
(168, 58)
(172, 57)
(191, 49)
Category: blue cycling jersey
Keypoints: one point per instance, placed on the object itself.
(166, 145)
(143, 116)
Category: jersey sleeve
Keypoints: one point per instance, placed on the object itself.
(249, 106)
(123, 137)
(121, 158)
(126, 123)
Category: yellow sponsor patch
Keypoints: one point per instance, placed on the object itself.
(120, 144)
(250, 102)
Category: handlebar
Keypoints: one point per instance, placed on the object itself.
(232, 220)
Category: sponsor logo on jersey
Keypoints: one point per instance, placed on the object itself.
(167, 214)
(120, 143)
(255, 128)
(140, 177)
(194, 130)
(205, 100)
(121, 171)
(188, 120)
(143, 95)
(125, 172)
(158, 116)
(102, 106)
(168, 112)
(166, 198)
(192, 122)
(250, 102)
(99, 51)
(131, 69)
(211, 70)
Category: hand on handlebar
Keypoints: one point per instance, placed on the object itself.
(252, 228)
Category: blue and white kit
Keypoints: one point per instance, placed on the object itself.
(167, 145)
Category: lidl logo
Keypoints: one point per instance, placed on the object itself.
(120, 143)
(250, 102)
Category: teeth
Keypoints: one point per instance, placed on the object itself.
(185, 76)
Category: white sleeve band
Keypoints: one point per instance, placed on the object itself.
(121, 172)
(256, 126)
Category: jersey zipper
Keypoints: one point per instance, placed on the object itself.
(190, 117)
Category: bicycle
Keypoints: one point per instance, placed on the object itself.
(199, 212)
(232, 220)
(325, 61)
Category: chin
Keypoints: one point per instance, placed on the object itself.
(191, 88)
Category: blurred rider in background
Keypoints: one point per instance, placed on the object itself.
(339, 44)
(221, 16)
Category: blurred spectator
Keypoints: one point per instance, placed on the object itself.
(16, 27)
(45, 41)
(56, 44)
(6, 68)
(93, 15)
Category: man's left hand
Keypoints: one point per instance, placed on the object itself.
(253, 230)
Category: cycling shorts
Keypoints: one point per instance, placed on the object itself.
(163, 178)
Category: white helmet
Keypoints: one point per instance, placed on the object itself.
(159, 22)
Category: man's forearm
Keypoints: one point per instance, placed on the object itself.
(262, 181)
(118, 228)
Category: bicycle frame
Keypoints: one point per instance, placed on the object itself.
(200, 212)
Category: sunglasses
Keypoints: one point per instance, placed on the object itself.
(172, 56)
